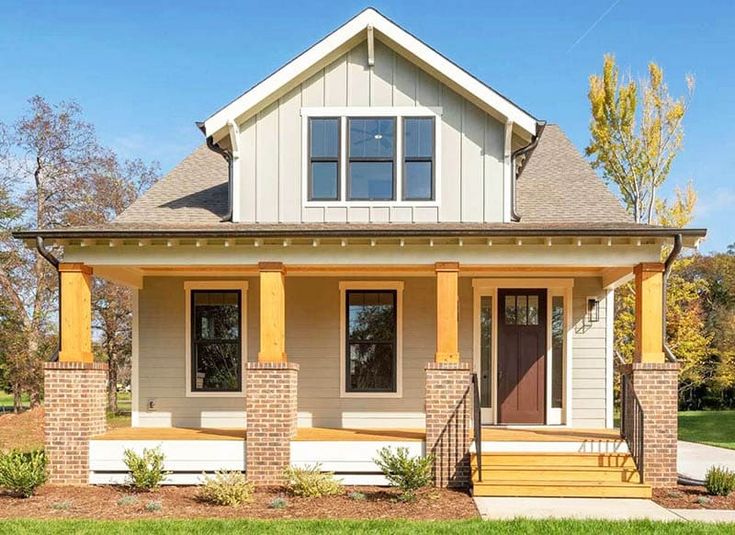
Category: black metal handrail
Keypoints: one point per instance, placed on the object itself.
(477, 424)
(631, 422)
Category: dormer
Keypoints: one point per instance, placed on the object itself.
(370, 125)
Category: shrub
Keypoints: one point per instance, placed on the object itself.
(278, 503)
(719, 481)
(407, 473)
(226, 488)
(311, 482)
(22, 473)
(146, 471)
(153, 506)
(357, 496)
(125, 501)
(63, 505)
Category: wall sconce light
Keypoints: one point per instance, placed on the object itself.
(593, 310)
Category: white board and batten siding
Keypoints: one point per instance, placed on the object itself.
(271, 159)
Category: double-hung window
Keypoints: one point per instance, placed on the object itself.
(373, 156)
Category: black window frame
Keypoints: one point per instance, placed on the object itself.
(420, 159)
(393, 342)
(325, 159)
(392, 159)
(193, 340)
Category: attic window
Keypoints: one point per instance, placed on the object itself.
(324, 159)
(372, 151)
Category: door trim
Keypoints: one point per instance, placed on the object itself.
(555, 287)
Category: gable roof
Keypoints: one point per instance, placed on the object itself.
(349, 34)
(558, 185)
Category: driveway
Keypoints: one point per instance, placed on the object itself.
(695, 459)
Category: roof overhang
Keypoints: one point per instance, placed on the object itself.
(339, 42)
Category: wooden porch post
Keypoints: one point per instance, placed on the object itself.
(447, 320)
(272, 312)
(76, 313)
(649, 312)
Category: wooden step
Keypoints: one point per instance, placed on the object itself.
(570, 489)
(557, 473)
(557, 459)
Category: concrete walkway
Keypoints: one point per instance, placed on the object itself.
(695, 459)
(579, 508)
(704, 515)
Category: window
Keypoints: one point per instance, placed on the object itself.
(324, 159)
(521, 310)
(371, 334)
(371, 155)
(371, 168)
(418, 158)
(216, 360)
(557, 351)
(216, 345)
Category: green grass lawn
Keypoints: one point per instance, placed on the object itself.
(277, 527)
(716, 428)
(6, 400)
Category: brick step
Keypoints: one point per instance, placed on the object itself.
(571, 489)
(556, 459)
(557, 473)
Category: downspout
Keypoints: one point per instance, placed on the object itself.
(667, 270)
(51, 259)
(227, 155)
(520, 152)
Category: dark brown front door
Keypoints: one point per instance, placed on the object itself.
(521, 356)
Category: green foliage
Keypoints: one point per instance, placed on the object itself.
(226, 488)
(153, 506)
(126, 501)
(311, 482)
(357, 496)
(146, 471)
(719, 481)
(278, 503)
(22, 473)
(407, 473)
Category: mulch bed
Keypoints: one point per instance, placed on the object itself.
(22, 431)
(180, 502)
(686, 497)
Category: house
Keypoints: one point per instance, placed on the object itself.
(372, 247)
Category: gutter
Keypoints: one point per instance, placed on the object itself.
(540, 125)
(51, 259)
(227, 155)
(668, 264)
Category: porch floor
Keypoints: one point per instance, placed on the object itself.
(490, 434)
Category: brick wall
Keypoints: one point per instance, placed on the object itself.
(656, 385)
(448, 422)
(75, 410)
(271, 404)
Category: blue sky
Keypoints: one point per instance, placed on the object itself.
(145, 71)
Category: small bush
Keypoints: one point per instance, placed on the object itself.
(278, 503)
(146, 471)
(226, 488)
(63, 505)
(153, 506)
(126, 501)
(311, 482)
(22, 473)
(719, 481)
(357, 496)
(407, 473)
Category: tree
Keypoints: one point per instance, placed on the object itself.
(634, 148)
(636, 133)
(53, 173)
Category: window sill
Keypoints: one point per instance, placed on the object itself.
(190, 394)
(374, 395)
(370, 204)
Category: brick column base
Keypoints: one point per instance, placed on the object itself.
(75, 405)
(656, 385)
(271, 404)
(448, 422)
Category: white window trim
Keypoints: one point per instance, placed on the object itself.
(343, 113)
(555, 287)
(216, 285)
(370, 285)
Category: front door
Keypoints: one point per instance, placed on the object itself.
(521, 356)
